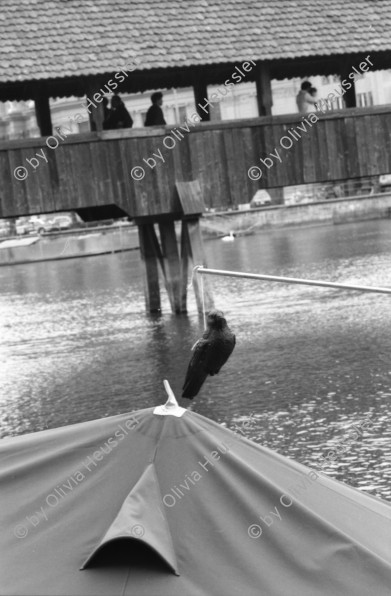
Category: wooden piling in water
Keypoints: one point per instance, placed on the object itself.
(172, 267)
(191, 231)
(149, 249)
(174, 264)
(172, 259)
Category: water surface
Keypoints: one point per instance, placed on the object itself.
(76, 344)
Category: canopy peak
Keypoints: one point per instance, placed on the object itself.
(171, 407)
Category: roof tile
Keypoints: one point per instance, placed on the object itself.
(38, 37)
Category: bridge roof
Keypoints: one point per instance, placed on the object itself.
(58, 39)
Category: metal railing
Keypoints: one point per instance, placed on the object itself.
(290, 280)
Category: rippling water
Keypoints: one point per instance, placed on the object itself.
(76, 344)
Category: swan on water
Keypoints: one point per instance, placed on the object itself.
(229, 238)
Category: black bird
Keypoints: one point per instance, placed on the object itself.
(211, 352)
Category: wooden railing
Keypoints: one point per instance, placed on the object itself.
(96, 169)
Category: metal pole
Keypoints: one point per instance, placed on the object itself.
(291, 280)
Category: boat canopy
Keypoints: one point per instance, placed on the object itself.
(169, 503)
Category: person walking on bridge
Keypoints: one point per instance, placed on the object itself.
(119, 116)
(155, 115)
(305, 98)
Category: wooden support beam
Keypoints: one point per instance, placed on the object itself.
(350, 96)
(185, 256)
(43, 115)
(264, 90)
(44, 121)
(171, 265)
(192, 229)
(149, 249)
(201, 97)
(96, 114)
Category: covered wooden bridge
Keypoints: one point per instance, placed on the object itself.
(54, 48)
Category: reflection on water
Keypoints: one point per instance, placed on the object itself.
(76, 344)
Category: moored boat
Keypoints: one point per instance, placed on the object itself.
(74, 243)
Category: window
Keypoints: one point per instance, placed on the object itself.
(338, 104)
(330, 79)
(364, 99)
(182, 114)
(215, 112)
(84, 126)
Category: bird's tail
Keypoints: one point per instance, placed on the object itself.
(193, 384)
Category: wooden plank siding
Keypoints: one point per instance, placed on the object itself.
(94, 169)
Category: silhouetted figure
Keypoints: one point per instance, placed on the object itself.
(119, 116)
(305, 99)
(211, 352)
(155, 113)
(106, 112)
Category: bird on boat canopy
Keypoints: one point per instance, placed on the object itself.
(211, 352)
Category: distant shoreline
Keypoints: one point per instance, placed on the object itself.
(332, 211)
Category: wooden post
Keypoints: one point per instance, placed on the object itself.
(42, 113)
(149, 255)
(44, 121)
(184, 272)
(96, 114)
(201, 97)
(350, 96)
(264, 90)
(192, 228)
(171, 264)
